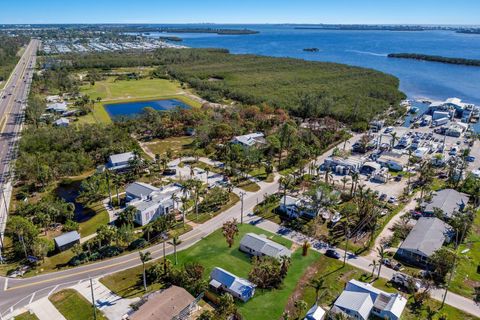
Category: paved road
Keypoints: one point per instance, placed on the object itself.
(12, 106)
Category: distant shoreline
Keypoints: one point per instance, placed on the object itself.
(424, 57)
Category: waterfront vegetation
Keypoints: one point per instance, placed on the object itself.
(425, 57)
(73, 306)
(307, 89)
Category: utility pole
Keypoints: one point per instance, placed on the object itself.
(242, 194)
(93, 300)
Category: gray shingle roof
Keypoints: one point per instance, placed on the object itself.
(426, 237)
(448, 200)
(67, 238)
(266, 246)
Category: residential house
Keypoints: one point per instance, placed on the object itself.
(67, 240)
(121, 161)
(171, 303)
(296, 207)
(446, 200)
(361, 300)
(250, 140)
(57, 107)
(260, 245)
(150, 202)
(381, 175)
(222, 280)
(426, 237)
(62, 122)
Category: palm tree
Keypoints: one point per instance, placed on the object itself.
(319, 285)
(127, 216)
(107, 180)
(207, 171)
(148, 229)
(175, 242)
(344, 181)
(394, 138)
(381, 256)
(328, 174)
(286, 182)
(144, 257)
(374, 266)
(355, 177)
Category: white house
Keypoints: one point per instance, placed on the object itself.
(260, 245)
(296, 207)
(250, 140)
(58, 107)
(62, 122)
(315, 313)
(120, 161)
(360, 300)
(151, 202)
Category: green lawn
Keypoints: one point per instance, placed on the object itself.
(100, 218)
(130, 90)
(260, 174)
(176, 144)
(73, 306)
(213, 251)
(109, 89)
(248, 186)
(203, 217)
(26, 316)
(466, 277)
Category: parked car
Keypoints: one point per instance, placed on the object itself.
(332, 254)
(383, 197)
(398, 178)
(452, 152)
(169, 172)
(470, 159)
(392, 199)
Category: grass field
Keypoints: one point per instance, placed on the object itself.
(110, 90)
(466, 277)
(73, 306)
(176, 144)
(212, 252)
(100, 218)
(203, 217)
(26, 316)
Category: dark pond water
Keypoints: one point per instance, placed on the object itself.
(69, 192)
(135, 108)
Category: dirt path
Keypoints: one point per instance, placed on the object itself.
(296, 295)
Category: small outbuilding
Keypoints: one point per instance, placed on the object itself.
(67, 240)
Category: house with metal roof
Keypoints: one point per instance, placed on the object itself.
(447, 200)
(120, 161)
(57, 107)
(250, 140)
(260, 245)
(360, 300)
(62, 122)
(151, 202)
(67, 240)
(426, 237)
(315, 313)
(222, 280)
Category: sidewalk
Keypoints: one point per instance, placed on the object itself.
(113, 306)
(45, 310)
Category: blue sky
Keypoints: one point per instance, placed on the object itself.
(241, 11)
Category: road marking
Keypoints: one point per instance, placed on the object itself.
(51, 291)
(31, 299)
(5, 286)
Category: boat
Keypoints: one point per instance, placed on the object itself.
(413, 110)
(311, 49)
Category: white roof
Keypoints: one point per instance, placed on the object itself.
(121, 157)
(262, 244)
(249, 139)
(62, 121)
(289, 200)
(359, 302)
(315, 313)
